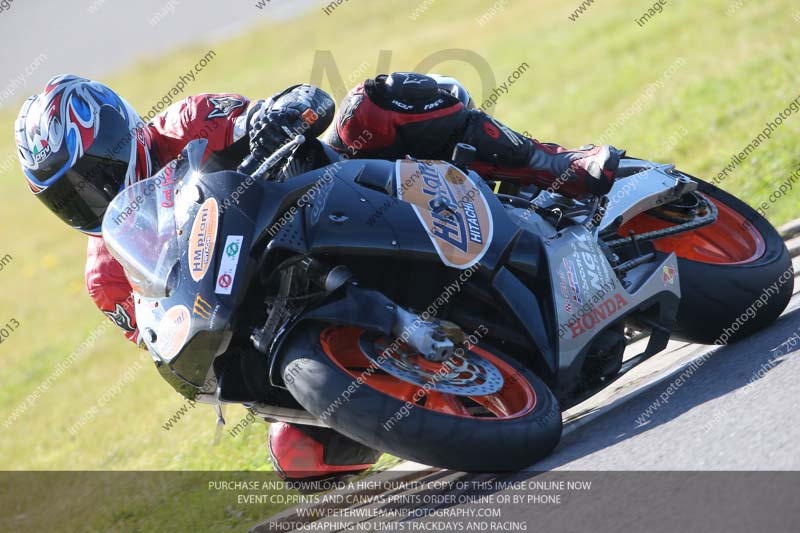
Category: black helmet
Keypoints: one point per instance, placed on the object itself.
(79, 144)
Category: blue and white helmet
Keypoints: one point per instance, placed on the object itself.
(79, 144)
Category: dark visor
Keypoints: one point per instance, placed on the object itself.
(81, 196)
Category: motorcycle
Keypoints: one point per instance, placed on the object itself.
(420, 309)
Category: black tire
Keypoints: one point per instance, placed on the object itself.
(424, 435)
(715, 297)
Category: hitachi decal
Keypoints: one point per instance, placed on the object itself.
(472, 223)
(448, 224)
(450, 206)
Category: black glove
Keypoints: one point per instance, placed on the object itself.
(300, 110)
(273, 129)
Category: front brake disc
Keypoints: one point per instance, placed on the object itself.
(463, 374)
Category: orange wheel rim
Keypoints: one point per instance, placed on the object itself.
(731, 239)
(515, 399)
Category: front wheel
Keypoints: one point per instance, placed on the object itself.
(735, 274)
(328, 371)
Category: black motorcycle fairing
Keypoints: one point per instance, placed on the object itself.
(356, 215)
(359, 307)
(338, 214)
(525, 307)
(526, 255)
(210, 310)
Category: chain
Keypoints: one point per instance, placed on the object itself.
(709, 218)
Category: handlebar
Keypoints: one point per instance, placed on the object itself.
(257, 165)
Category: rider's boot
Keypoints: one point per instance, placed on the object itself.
(589, 169)
(312, 453)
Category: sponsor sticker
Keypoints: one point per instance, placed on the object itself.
(173, 331)
(203, 238)
(592, 268)
(668, 275)
(202, 308)
(41, 152)
(573, 281)
(319, 203)
(562, 286)
(227, 267)
(599, 314)
(451, 208)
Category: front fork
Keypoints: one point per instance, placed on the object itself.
(433, 339)
(358, 306)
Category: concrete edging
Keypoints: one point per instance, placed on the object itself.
(790, 229)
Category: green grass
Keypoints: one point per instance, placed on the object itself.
(738, 73)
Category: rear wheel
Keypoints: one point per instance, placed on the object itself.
(735, 274)
(329, 372)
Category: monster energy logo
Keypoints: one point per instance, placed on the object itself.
(202, 308)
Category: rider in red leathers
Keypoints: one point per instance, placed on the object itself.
(80, 143)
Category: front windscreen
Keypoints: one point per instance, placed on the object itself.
(140, 231)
